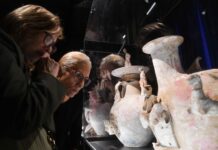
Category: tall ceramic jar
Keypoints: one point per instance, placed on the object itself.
(187, 117)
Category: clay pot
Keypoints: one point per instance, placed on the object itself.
(124, 119)
(187, 117)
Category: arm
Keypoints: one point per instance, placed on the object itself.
(24, 104)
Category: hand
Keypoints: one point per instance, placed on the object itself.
(48, 65)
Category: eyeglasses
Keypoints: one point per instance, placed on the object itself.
(81, 77)
(49, 43)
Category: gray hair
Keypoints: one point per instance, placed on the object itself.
(74, 59)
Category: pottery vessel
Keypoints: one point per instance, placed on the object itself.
(187, 116)
(124, 119)
(95, 117)
(101, 97)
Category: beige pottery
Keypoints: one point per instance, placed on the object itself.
(189, 100)
(125, 118)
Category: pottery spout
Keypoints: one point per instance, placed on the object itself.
(188, 101)
(165, 57)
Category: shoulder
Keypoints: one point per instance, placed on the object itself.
(9, 48)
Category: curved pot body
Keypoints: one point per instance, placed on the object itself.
(96, 116)
(125, 118)
(190, 99)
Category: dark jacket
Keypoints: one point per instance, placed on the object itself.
(26, 105)
(68, 122)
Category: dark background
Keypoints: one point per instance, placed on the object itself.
(73, 13)
(195, 20)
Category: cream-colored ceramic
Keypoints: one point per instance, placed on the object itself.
(124, 119)
(96, 116)
(187, 117)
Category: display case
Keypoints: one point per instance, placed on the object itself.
(109, 32)
(112, 31)
(99, 95)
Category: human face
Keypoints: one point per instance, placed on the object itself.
(42, 45)
(81, 79)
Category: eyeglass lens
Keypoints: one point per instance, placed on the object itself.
(49, 42)
(80, 76)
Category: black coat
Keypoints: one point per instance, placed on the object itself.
(25, 104)
(68, 122)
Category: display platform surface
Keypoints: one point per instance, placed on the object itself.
(111, 143)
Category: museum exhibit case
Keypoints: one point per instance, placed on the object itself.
(99, 99)
(166, 98)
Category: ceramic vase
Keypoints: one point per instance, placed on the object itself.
(187, 116)
(124, 119)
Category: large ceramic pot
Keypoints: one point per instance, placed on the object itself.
(187, 117)
(125, 113)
